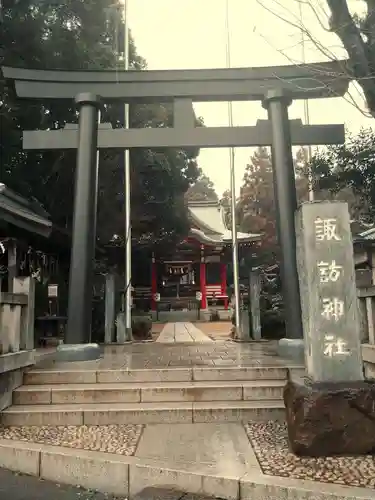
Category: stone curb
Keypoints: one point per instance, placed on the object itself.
(128, 476)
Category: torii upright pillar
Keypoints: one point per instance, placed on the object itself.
(84, 235)
(276, 102)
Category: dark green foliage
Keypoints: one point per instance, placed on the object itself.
(202, 190)
(79, 34)
(349, 170)
(141, 327)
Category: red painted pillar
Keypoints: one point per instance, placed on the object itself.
(202, 279)
(223, 280)
(154, 283)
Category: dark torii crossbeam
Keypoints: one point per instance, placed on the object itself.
(185, 136)
(274, 86)
(318, 80)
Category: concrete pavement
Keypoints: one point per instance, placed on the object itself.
(21, 487)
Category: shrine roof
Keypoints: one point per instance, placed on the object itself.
(23, 213)
(208, 217)
(369, 234)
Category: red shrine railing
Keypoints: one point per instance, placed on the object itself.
(216, 292)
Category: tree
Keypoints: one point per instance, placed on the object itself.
(355, 30)
(357, 34)
(202, 190)
(256, 210)
(225, 201)
(347, 172)
(86, 35)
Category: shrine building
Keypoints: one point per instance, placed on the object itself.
(199, 267)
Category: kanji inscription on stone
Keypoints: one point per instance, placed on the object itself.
(328, 292)
(334, 346)
(332, 308)
(326, 229)
(329, 271)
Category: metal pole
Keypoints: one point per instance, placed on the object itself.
(286, 200)
(84, 223)
(127, 194)
(249, 305)
(306, 108)
(236, 281)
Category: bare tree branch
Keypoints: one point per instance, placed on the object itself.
(358, 43)
(300, 27)
(349, 98)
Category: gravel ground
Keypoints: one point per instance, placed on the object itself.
(120, 439)
(270, 443)
(19, 487)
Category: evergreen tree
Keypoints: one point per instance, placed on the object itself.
(77, 35)
(202, 190)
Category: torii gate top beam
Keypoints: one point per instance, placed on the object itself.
(318, 80)
(202, 137)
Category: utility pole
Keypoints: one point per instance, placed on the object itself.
(236, 282)
(306, 110)
(127, 194)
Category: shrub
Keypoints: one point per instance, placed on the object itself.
(142, 327)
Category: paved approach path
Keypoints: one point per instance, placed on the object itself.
(21, 487)
(182, 332)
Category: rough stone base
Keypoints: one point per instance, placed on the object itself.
(123, 334)
(330, 418)
(291, 349)
(77, 352)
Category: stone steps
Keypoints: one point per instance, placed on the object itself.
(96, 396)
(147, 392)
(95, 375)
(143, 413)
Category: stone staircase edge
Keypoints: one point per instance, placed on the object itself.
(97, 470)
(259, 485)
(112, 386)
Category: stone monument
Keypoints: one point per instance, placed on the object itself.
(332, 410)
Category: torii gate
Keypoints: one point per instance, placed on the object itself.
(274, 86)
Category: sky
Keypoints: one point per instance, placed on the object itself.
(191, 34)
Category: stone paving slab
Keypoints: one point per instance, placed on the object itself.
(182, 332)
(221, 449)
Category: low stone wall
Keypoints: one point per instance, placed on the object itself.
(12, 366)
(368, 356)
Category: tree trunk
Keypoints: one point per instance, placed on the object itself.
(342, 23)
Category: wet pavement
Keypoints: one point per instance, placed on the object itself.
(157, 355)
(20, 487)
(15, 486)
(182, 332)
